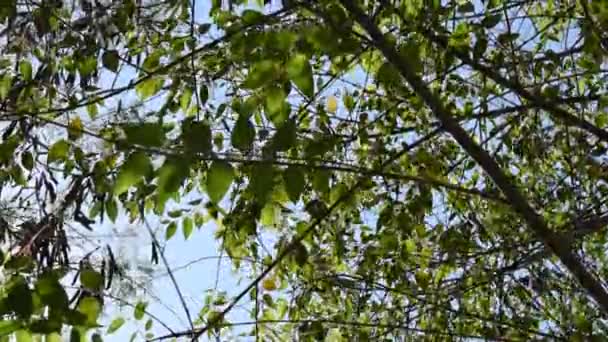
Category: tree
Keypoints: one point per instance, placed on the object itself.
(389, 170)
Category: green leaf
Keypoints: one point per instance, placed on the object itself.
(204, 28)
(275, 103)
(110, 60)
(148, 325)
(152, 60)
(300, 253)
(5, 86)
(219, 179)
(132, 172)
(23, 336)
(145, 134)
(149, 87)
(270, 215)
(334, 335)
(422, 279)
(601, 119)
(300, 73)
(262, 182)
(185, 99)
(251, 17)
(51, 292)
(59, 151)
(489, 21)
(140, 310)
(187, 227)
(87, 66)
(91, 279)
(388, 75)
(8, 326)
(19, 298)
(261, 73)
(75, 335)
(53, 337)
(320, 181)
(285, 137)
(171, 176)
(27, 160)
(203, 94)
(92, 110)
(175, 213)
(25, 68)
(115, 325)
(197, 136)
(243, 134)
(74, 317)
(295, 182)
(171, 229)
(111, 209)
(349, 102)
(466, 7)
(45, 326)
(19, 263)
(91, 308)
(75, 129)
(506, 38)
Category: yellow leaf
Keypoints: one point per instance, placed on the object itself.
(332, 104)
(75, 128)
(269, 284)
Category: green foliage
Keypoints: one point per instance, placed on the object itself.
(91, 279)
(59, 151)
(388, 170)
(132, 172)
(145, 134)
(295, 182)
(300, 72)
(218, 181)
(110, 60)
(140, 310)
(243, 134)
(116, 324)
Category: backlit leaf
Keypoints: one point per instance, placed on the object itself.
(9, 326)
(187, 227)
(219, 179)
(110, 60)
(132, 172)
(300, 72)
(295, 182)
(145, 134)
(75, 128)
(140, 310)
(59, 151)
(332, 104)
(116, 324)
(91, 308)
(243, 134)
(91, 279)
(171, 229)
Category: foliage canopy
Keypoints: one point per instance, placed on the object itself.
(378, 170)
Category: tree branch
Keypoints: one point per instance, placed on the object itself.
(504, 181)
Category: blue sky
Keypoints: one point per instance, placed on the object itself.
(201, 275)
(205, 270)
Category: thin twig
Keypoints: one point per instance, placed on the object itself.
(166, 263)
